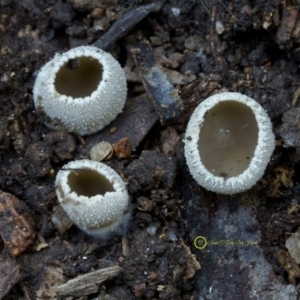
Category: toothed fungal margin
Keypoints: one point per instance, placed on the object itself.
(228, 143)
(94, 196)
(81, 90)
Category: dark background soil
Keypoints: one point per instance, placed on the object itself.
(204, 47)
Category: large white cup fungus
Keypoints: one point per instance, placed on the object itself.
(81, 90)
(228, 143)
(94, 196)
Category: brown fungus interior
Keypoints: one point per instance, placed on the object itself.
(89, 183)
(228, 138)
(79, 77)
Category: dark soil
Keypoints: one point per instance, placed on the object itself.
(203, 47)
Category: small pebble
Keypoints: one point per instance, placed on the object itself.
(101, 151)
(220, 27)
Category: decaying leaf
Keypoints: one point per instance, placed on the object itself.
(122, 148)
(164, 95)
(193, 264)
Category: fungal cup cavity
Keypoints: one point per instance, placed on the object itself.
(79, 77)
(228, 138)
(89, 183)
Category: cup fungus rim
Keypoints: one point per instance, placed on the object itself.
(62, 177)
(86, 114)
(263, 151)
(62, 58)
(98, 215)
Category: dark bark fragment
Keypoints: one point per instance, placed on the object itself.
(226, 239)
(164, 96)
(121, 27)
(290, 128)
(135, 122)
(88, 283)
(287, 24)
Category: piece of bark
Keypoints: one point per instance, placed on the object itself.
(216, 48)
(88, 5)
(193, 264)
(287, 24)
(15, 229)
(61, 220)
(193, 94)
(134, 123)
(289, 265)
(88, 283)
(9, 276)
(122, 26)
(290, 128)
(233, 265)
(164, 96)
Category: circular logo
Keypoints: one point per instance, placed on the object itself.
(200, 242)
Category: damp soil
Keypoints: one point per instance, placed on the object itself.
(193, 49)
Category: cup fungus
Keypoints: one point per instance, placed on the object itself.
(228, 143)
(94, 196)
(84, 89)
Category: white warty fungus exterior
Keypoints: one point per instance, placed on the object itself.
(81, 90)
(228, 143)
(94, 196)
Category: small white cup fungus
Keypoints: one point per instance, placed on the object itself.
(94, 196)
(83, 88)
(228, 143)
